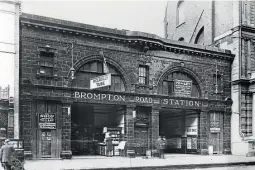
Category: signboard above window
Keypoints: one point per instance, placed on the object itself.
(182, 88)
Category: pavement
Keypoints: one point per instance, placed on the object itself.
(176, 161)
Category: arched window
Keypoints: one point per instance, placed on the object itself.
(180, 13)
(169, 84)
(94, 69)
(181, 39)
(200, 37)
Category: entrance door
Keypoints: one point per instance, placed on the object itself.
(141, 140)
(215, 141)
(46, 143)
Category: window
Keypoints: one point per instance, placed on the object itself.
(200, 37)
(181, 39)
(180, 16)
(168, 87)
(95, 69)
(246, 114)
(143, 75)
(46, 61)
(11, 121)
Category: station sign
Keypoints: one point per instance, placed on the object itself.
(101, 81)
(182, 88)
(47, 121)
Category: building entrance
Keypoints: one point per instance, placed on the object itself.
(89, 124)
(180, 128)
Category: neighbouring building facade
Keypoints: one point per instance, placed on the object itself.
(229, 25)
(6, 115)
(9, 68)
(158, 87)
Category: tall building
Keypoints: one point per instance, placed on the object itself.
(9, 57)
(229, 25)
(156, 86)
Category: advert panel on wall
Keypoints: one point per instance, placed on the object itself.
(47, 121)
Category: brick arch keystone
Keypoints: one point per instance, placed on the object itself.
(182, 69)
(109, 60)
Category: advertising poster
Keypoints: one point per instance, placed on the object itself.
(182, 88)
(188, 142)
(47, 121)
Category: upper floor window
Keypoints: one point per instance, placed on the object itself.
(179, 83)
(143, 75)
(180, 16)
(181, 39)
(95, 69)
(200, 37)
(46, 61)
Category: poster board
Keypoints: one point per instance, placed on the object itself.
(182, 88)
(47, 121)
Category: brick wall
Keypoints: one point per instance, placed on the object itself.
(122, 53)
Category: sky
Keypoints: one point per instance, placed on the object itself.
(144, 16)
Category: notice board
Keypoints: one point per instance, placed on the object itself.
(182, 88)
(47, 121)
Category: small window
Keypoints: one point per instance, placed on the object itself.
(180, 13)
(46, 61)
(143, 75)
(181, 39)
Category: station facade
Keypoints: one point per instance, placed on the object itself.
(159, 87)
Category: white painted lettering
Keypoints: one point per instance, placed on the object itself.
(83, 95)
(77, 95)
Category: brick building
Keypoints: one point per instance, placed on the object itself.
(6, 115)
(228, 25)
(158, 87)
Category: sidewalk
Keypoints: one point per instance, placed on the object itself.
(171, 160)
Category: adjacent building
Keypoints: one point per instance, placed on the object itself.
(157, 87)
(9, 68)
(228, 25)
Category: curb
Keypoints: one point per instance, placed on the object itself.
(192, 166)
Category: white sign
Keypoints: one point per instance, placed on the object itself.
(101, 81)
(191, 130)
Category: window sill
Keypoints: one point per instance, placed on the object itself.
(180, 24)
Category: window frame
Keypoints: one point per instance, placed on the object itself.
(178, 22)
(145, 75)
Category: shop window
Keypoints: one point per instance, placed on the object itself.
(46, 61)
(143, 75)
(200, 37)
(95, 69)
(246, 114)
(180, 13)
(175, 81)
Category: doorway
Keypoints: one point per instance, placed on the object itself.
(88, 122)
(180, 128)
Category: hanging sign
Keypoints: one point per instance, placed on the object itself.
(101, 81)
(182, 88)
(47, 121)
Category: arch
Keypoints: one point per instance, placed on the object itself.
(186, 70)
(109, 60)
(181, 39)
(180, 13)
(200, 37)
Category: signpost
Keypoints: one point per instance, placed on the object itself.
(182, 88)
(101, 81)
(47, 121)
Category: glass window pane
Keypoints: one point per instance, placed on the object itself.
(93, 67)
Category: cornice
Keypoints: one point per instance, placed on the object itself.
(151, 41)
